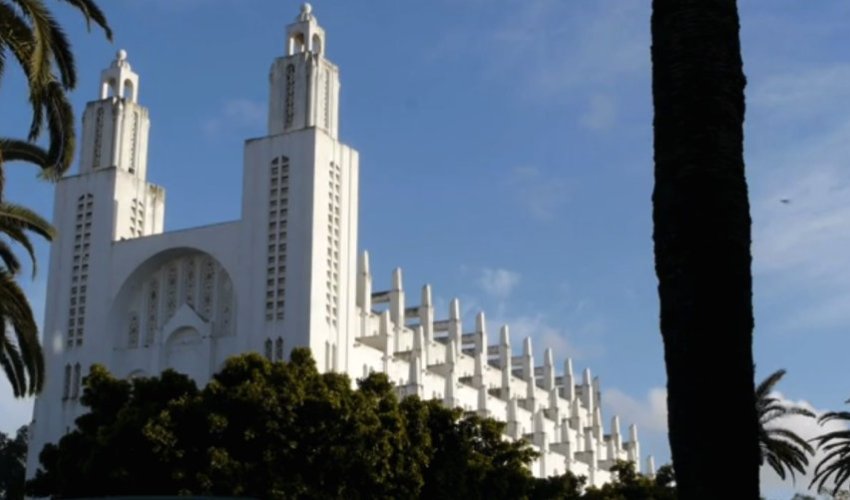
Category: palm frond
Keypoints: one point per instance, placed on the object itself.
(60, 50)
(835, 465)
(13, 366)
(92, 13)
(782, 449)
(18, 150)
(15, 220)
(12, 214)
(766, 386)
(10, 260)
(60, 123)
(40, 20)
(21, 238)
(21, 42)
(17, 314)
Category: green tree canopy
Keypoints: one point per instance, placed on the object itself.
(279, 430)
(13, 457)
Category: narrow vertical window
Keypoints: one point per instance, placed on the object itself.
(133, 334)
(66, 391)
(269, 349)
(98, 136)
(290, 96)
(76, 387)
(278, 349)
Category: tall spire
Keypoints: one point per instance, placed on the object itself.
(304, 84)
(115, 127)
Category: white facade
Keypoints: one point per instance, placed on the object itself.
(126, 294)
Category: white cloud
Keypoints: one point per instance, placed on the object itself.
(650, 414)
(237, 114)
(543, 335)
(498, 283)
(540, 195)
(806, 428)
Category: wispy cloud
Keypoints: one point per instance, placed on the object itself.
(498, 283)
(539, 194)
(801, 194)
(650, 414)
(803, 92)
(563, 45)
(236, 115)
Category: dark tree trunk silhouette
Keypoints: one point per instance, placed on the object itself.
(702, 246)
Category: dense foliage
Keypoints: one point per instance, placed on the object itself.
(277, 430)
(283, 430)
(13, 455)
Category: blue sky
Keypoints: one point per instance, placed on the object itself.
(506, 159)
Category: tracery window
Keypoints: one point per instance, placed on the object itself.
(133, 331)
(289, 116)
(153, 312)
(98, 136)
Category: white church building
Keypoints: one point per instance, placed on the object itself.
(125, 293)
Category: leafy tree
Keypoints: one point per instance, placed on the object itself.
(781, 448)
(278, 430)
(702, 241)
(629, 485)
(567, 486)
(835, 465)
(13, 457)
(107, 453)
(467, 456)
(35, 40)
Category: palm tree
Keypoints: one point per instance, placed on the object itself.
(702, 244)
(29, 32)
(836, 444)
(781, 448)
(22, 360)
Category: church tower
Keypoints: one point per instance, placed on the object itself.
(300, 206)
(107, 201)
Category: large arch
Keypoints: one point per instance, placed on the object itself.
(180, 280)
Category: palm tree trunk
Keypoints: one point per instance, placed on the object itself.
(702, 247)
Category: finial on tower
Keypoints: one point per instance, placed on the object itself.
(306, 12)
(305, 34)
(119, 80)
